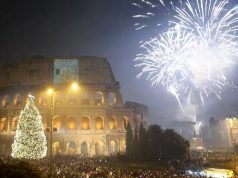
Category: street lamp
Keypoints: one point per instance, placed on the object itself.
(51, 92)
(74, 86)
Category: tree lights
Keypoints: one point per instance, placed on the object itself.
(29, 141)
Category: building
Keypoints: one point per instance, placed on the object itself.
(140, 113)
(90, 121)
(231, 130)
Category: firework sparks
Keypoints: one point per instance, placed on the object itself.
(192, 57)
(147, 10)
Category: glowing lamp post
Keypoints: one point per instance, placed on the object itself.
(74, 86)
(51, 92)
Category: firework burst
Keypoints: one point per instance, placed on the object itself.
(193, 56)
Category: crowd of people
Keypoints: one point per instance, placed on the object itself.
(83, 167)
(209, 157)
(96, 167)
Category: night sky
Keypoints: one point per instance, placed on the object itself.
(102, 28)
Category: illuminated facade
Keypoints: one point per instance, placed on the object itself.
(231, 125)
(90, 121)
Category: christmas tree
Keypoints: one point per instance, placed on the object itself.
(29, 141)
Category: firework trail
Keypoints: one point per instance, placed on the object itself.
(149, 10)
(192, 57)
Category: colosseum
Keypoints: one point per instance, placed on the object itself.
(90, 121)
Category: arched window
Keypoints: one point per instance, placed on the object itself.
(112, 147)
(85, 149)
(71, 148)
(98, 123)
(71, 123)
(5, 101)
(125, 122)
(99, 99)
(111, 99)
(17, 99)
(57, 122)
(3, 124)
(56, 148)
(85, 124)
(99, 148)
(85, 98)
(112, 123)
(14, 124)
(123, 146)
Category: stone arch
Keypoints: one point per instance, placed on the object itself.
(99, 98)
(125, 121)
(85, 123)
(99, 148)
(14, 124)
(112, 123)
(123, 146)
(85, 148)
(17, 99)
(5, 100)
(3, 124)
(85, 99)
(57, 122)
(113, 147)
(71, 123)
(99, 123)
(56, 148)
(71, 148)
(112, 99)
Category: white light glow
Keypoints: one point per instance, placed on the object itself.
(191, 59)
(29, 141)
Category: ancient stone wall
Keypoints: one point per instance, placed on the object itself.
(90, 121)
